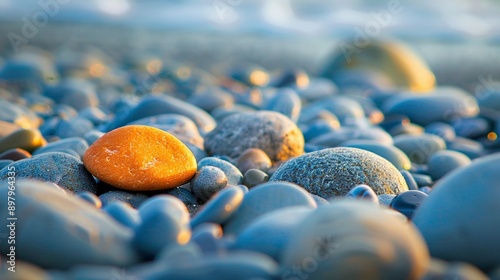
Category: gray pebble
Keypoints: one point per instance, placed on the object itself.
(254, 177)
(443, 162)
(208, 181)
(419, 148)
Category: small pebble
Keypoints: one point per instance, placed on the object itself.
(208, 181)
(233, 175)
(253, 158)
(254, 177)
(410, 181)
(123, 213)
(407, 202)
(443, 162)
(15, 154)
(26, 139)
(133, 199)
(421, 147)
(91, 198)
(363, 192)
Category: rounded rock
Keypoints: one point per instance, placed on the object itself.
(419, 148)
(333, 172)
(407, 202)
(253, 158)
(254, 177)
(363, 192)
(394, 155)
(271, 132)
(208, 181)
(15, 154)
(443, 162)
(26, 139)
(133, 199)
(140, 158)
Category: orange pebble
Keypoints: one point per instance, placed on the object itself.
(140, 158)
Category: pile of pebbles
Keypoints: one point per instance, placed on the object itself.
(146, 168)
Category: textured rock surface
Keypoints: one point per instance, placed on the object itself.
(271, 132)
(333, 172)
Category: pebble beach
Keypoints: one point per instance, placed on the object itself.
(162, 155)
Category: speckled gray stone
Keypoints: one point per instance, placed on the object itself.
(208, 181)
(271, 132)
(333, 172)
(60, 168)
(419, 148)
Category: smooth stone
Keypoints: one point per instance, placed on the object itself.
(439, 269)
(208, 181)
(97, 272)
(289, 78)
(285, 101)
(5, 162)
(244, 188)
(94, 115)
(311, 117)
(264, 199)
(234, 176)
(71, 153)
(253, 158)
(422, 180)
(207, 236)
(219, 208)
(234, 265)
(363, 192)
(333, 172)
(90, 198)
(15, 154)
(165, 221)
(471, 127)
(407, 129)
(407, 202)
(133, 199)
(77, 144)
(26, 139)
(140, 158)
(74, 127)
(65, 112)
(348, 111)
(187, 197)
(316, 89)
(220, 113)
(211, 99)
(394, 155)
(178, 125)
(317, 129)
(443, 130)
(32, 70)
(254, 177)
(443, 162)
(272, 132)
(164, 104)
(467, 201)
(441, 105)
(468, 147)
(419, 149)
(270, 233)
(92, 136)
(62, 169)
(123, 213)
(77, 93)
(6, 128)
(489, 96)
(410, 181)
(198, 153)
(74, 224)
(48, 127)
(342, 238)
(386, 199)
(336, 138)
(427, 190)
(19, 115)
(380, 64)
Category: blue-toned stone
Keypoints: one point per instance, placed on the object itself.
(92, 136)
(348, 111)
(76, 93)
(220, 113)
(333, 172)
(471, 127)
(165, 221)
(319, 200)
(410, 181)
(28, 71)
(5, 162)
(419, 148)
(422, 180)
(407, 202)
(427, 190)
(24, 270)
(134, 199)
(270, 233)
(94, 115)
(211, 99)
(472, 149)
(467, 201)
(271, 132)
(254, 177)
(64, 112)
(266, 198)
(441, 105)
(49, 125)
(60, 168)
(18, 114)
(207, 236)
(75, 127)
(187, 197)
(77, 144)
(55, 225)
(244, 188)
(285, 101)
(219, 208)
(178, 125)
(91, 198)
(394, 155)
(234, 176)
(363, 192)
(316, 89)
(123, 213)
(164, 104)
(439, 269)
(207, 182)
(443, 162)
(198, 153)
(317, 129)
(336, 138)
(386, 199)
(406, 129)
(443, 130)
(253, 158)
(347, 232)
(323, 116)
(96, 272)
